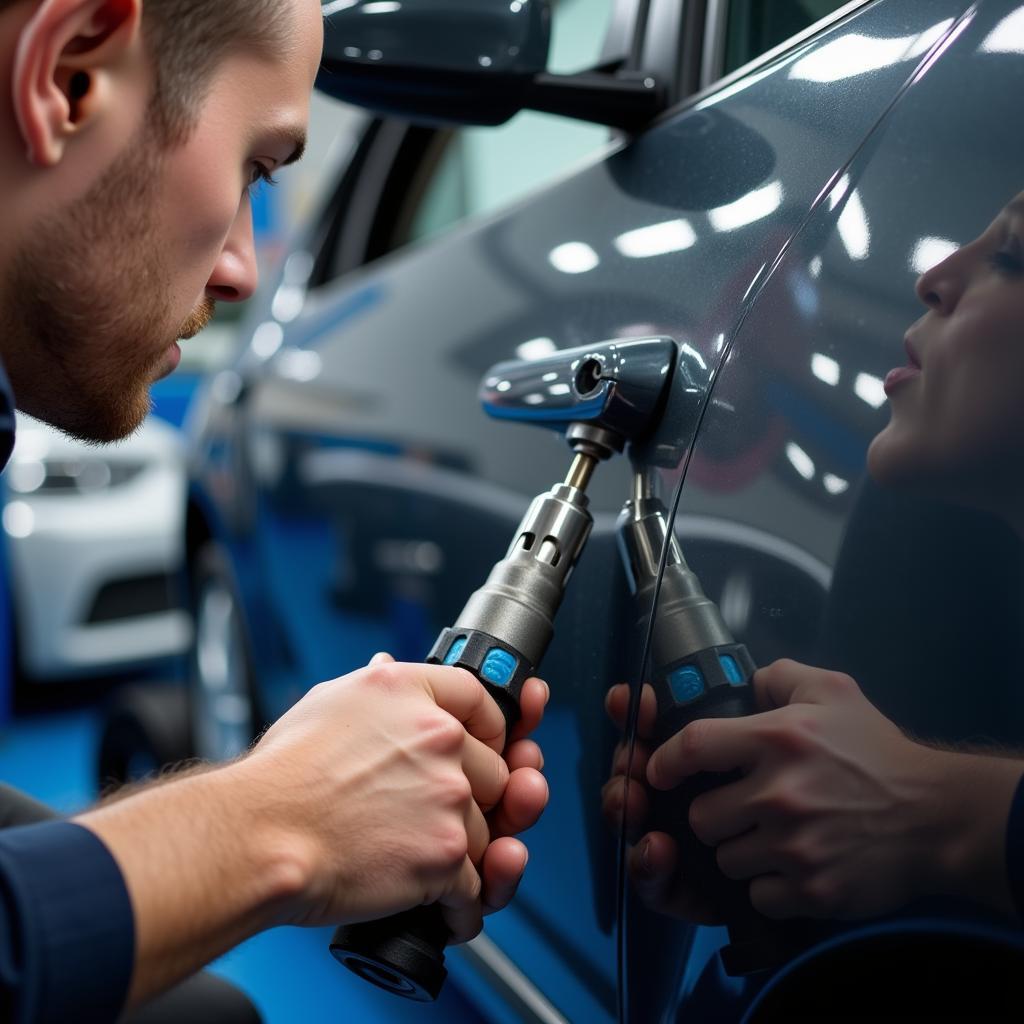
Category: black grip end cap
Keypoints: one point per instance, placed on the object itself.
(400, 962)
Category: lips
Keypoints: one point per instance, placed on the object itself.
(903, 374)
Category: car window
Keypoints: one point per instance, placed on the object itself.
(753, 27)
(474, 171)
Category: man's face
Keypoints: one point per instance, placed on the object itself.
(103, 288)
(957, 424)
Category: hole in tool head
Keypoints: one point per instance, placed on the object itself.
(588, 376)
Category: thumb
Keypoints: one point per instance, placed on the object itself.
(381, 658)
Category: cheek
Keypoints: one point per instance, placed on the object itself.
(196, 237)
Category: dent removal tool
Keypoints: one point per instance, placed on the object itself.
(601, 397)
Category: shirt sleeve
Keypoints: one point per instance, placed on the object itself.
(1015, 849)
(67, 932)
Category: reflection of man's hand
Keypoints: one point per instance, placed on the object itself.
(652, 858)
(836, 814)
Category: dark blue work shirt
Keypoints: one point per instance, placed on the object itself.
(67, 933)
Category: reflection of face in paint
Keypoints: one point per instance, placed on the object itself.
(957, 408)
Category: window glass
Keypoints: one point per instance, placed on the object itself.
(484, 169)
(755, 26)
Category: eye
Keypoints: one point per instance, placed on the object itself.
(260, 173)
(1008, 258)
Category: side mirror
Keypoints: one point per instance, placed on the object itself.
(467, 62)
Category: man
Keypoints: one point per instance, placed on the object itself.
(131, 132)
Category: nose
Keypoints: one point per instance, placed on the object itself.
(941, 287)
(235, 274)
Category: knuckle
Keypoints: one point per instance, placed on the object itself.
(387, 676)
(457, 790)
(781, 801)
(839, 684)
(444, 733)
(451, 846)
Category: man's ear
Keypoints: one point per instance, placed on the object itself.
(63, 69)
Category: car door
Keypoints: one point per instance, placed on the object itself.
(366, 494)
(909, 587)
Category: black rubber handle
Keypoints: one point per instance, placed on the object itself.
(404, 953)
(756, 943)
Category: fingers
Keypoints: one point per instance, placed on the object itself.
(524, 800)
(464, 697)
(748, 855)
(461, 904)
(707, 745)
(775, 897)
(789, 682)
(726, 811)
(653, 866)
(617, 705)
(501, 871)
(478, 832)
(487, 772)
(524, 754)
(625, 804)
(532, 701)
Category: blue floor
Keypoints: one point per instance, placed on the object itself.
(287, 972)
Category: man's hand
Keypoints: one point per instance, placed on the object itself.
(402, 792)
(377, 792)
(838, 813)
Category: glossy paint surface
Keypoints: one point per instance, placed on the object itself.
(814, 559)
(774, 225)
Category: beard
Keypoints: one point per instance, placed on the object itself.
(86, 318)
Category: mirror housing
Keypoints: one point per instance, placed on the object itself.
(467, 62)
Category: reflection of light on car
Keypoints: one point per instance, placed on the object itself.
(657, 239)
(19, 520)
(835, 484)
(299, 364)
(800, 460)
(1007, 36)
(288, 302)
(337, 5)
(745, 210)
(870, 389)
(854, 229)
(858, 54)
(825, 368)
(267, 339)
(929, 252)
(573, 258)
(535, 348)
(737, 600)
(814, 267)
(690, 351)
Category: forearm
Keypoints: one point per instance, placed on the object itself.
(972, 797)
(203, 868)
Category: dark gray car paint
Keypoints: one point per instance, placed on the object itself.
(400, 348)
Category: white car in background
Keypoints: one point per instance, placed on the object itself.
(95, 542)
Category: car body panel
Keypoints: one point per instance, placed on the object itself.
(346, 466)
(910, 584)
